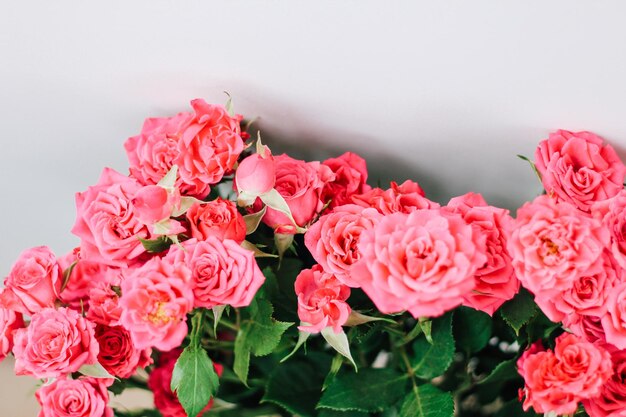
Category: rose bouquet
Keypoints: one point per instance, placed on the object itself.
(231, 281)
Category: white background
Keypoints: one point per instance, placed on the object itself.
(443, 92)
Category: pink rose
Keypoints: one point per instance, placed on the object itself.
(404, 198)
(495, 280)
(350, 178)
(576, 167)
(557, 381)
(159, 383)
(333, 239)
(84, 275)
(106, 221)
(34, 281)
(83, 397)
(321, 300)
(222, 272)
(614, 321)
(423, 262)
(218, 218)
(104, 304)
(301, 184)
(612, 399)
(56, 342)
(156, 298)
(10, 321)
(612, 213)
(586, 327)
(118, 355)
(256, 174)
(153, 203)
(588, 294)
(553, 243)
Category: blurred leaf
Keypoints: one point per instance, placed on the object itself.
(471, 329)
(296, 387)
(504, 371)
(95, 371)
(431, 360)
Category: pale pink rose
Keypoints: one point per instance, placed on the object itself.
(219, 218)
(614, 321)
(106, 221)
(321, 300)
(557, 381)
(156, 298)
(55, 343)
(612, 399)
(83, 397)
(153, 203)
(553, 243)
(104, 299)
(333, 239)
(588, 294)
(350, 178)
(10, 321)
(208, 148)
(495, 280)
(34, 281)
(612, 213)
(152, 153)
(256, 174)
(423, 262)
(403, 198)
(588, 327)
(578, 168)
(222, 272)
(301, 184)
(118, 355)
(84, 275)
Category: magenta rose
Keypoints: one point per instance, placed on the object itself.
(222, 272)
(118, 354)
(333, 239)
(495, 280)
(219, 218)
(156, 298)
(614, 321)
(578, 168)
(83, 397)
(321, 300)
(556, 381)
(403, 198)
(256, 174)
(10, 321)
(55, 343)
(612, 399)
(423, 262)
(350, 178)
(106, 221)
(301, 184)
(34, 281)
(553, 243)
(612, 213)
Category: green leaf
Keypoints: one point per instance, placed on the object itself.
(252, 220)
(296, 387)
(335, 413)
(518, 311)
(471, 329)
(95, 371)
(426, 326)
(241, 364)
(302, 337)
(532, 165)
(194, 380)
(431, 360)
(369, 390)
(427, 401)
(67, 273)
(504, 371)
(157, 245)
(339, 342)
(217, 316)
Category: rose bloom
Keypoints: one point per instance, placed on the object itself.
(222, 272)
(578, 168)
(118, 354)
(301, 184)
(159, 383)
(256, 174)
(153, 203)
(103, 304)
(614, 321)
(321, 300)
(587, 327)
(83, 397)
(85, 274)
(10, 321)
(423, 262)
(588, 294)
(56, 342)
(34, 281)
(495, 280)
(557, 381)
(612, 213)
(219, 218)
(553, 243)
(106, 222)
(333, 239)
(156, 298)
(612, 399)
(350, 178)
(403, 198)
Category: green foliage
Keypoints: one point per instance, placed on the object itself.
(157, 245)
(431, 360)
(518, 311)
(427, 401)
(471, 329)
